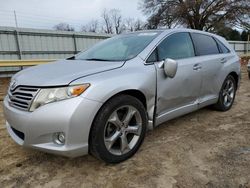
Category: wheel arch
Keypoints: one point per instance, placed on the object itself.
(236, 78)
(132, 92)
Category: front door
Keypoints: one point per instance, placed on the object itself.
(179, 95)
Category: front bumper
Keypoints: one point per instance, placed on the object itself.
(72, 116)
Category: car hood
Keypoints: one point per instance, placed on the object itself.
(62, 72)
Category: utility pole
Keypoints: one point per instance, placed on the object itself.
(19, 50)
(15, 19)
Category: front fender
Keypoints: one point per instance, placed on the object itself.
(132, 76)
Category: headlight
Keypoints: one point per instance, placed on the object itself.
(50, 95)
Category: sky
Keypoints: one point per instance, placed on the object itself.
(46, 13)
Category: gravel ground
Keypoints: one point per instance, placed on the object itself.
(203, 149)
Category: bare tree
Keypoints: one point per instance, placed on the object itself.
(195, 14)
(244, 22)
(131, 24)
(138, 25)
(113, 21)
(63, 27)
(116, 19)
(92, 26)
(107, 22)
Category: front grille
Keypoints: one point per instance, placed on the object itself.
(21, 97)
(18, 133)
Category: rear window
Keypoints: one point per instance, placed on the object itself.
(204, 44)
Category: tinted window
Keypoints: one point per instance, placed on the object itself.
(223, 49)
(176, 46)
(204, 44)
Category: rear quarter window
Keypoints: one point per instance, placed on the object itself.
(223, 49)
(204, 44)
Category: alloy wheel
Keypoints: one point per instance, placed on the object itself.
(122, 130)
(228, 93)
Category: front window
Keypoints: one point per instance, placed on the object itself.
(176, 46)
(119, 48)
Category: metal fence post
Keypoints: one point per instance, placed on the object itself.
(248, 40)
(75, 44)
(245, 48)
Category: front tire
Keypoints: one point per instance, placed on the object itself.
(227, 94)
(118, 129)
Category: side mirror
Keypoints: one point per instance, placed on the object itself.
(170, 67)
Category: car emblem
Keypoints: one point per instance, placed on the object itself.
(13, 84)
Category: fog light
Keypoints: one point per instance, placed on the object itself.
(59, 138)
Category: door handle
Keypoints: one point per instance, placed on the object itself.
(223, 60)
(197, 66)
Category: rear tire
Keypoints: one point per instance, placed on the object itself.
(118, 129)
(227, 94)
(249, 75)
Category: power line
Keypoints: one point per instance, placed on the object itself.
(17, 19)
(42, 16)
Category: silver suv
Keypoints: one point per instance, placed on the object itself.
(103, 100)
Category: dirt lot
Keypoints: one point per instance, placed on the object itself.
(202, 149)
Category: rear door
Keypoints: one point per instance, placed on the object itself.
(178, 95)
(212, 62)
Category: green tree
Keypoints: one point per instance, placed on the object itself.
(234, 35)
(227, 32)
(244, 35)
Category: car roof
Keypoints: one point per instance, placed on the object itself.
(166, 31)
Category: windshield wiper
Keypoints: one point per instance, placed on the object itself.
(96, 59)
(71, 58)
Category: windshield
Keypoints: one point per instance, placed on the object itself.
(119, 48)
